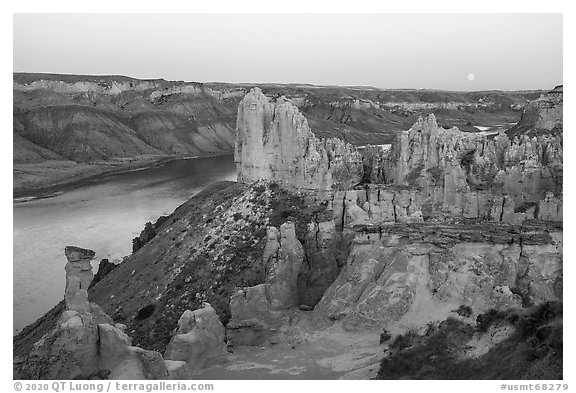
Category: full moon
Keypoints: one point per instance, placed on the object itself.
(470, 77)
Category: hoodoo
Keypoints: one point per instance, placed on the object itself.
(78, 277)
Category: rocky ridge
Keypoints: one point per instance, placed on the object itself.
(449, 172)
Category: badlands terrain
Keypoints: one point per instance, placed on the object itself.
(69, 127)
(438, 258)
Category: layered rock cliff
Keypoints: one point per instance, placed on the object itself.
(402, 277)
(542, 116)
(90, 119)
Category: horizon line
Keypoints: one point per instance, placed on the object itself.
(287, 83)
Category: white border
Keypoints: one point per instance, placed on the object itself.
(294, 6)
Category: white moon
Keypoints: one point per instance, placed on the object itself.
(471, 77)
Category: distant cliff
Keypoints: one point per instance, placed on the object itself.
(95, 118)
(542, 116)
(102, 118)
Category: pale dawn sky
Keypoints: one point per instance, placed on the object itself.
(435, 51)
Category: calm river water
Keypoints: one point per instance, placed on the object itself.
(103, 216)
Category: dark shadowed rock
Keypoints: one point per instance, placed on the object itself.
(104, 268)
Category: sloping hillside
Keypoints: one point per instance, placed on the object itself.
(504, 344)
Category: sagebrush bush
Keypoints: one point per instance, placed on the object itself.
(484, 321)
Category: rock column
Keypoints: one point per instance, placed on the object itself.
(283, 257)
(79, 275)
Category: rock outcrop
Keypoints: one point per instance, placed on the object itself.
(69, 350)
(542, 116)
(471, 175)
(125, 361)
(86, 343)
(402, 277)
(199, 339)
(326, 250)
(253, 321)
(258, 312)
(429, 171)
(79, 275)
(274, 142)
(429, 156)
(442, 219)
(381, 204)
(104, 268)
(283, 257)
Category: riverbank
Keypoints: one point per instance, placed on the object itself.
(35, 181)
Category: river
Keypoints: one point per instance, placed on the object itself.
(103, 216)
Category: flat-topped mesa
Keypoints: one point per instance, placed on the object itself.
(275, 142)
(79, 275)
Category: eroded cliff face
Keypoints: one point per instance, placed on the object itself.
(403, 277)
(95, 119)
(274, 142)
(480, 162)
(472, 175)
(542, 116)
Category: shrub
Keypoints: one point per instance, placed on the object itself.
(528, 325)
(384, 336)
(464, 311)
(145, 312)
(403, 341)
(484, 321)
(260, 189)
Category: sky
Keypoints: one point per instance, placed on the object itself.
(425, 51)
